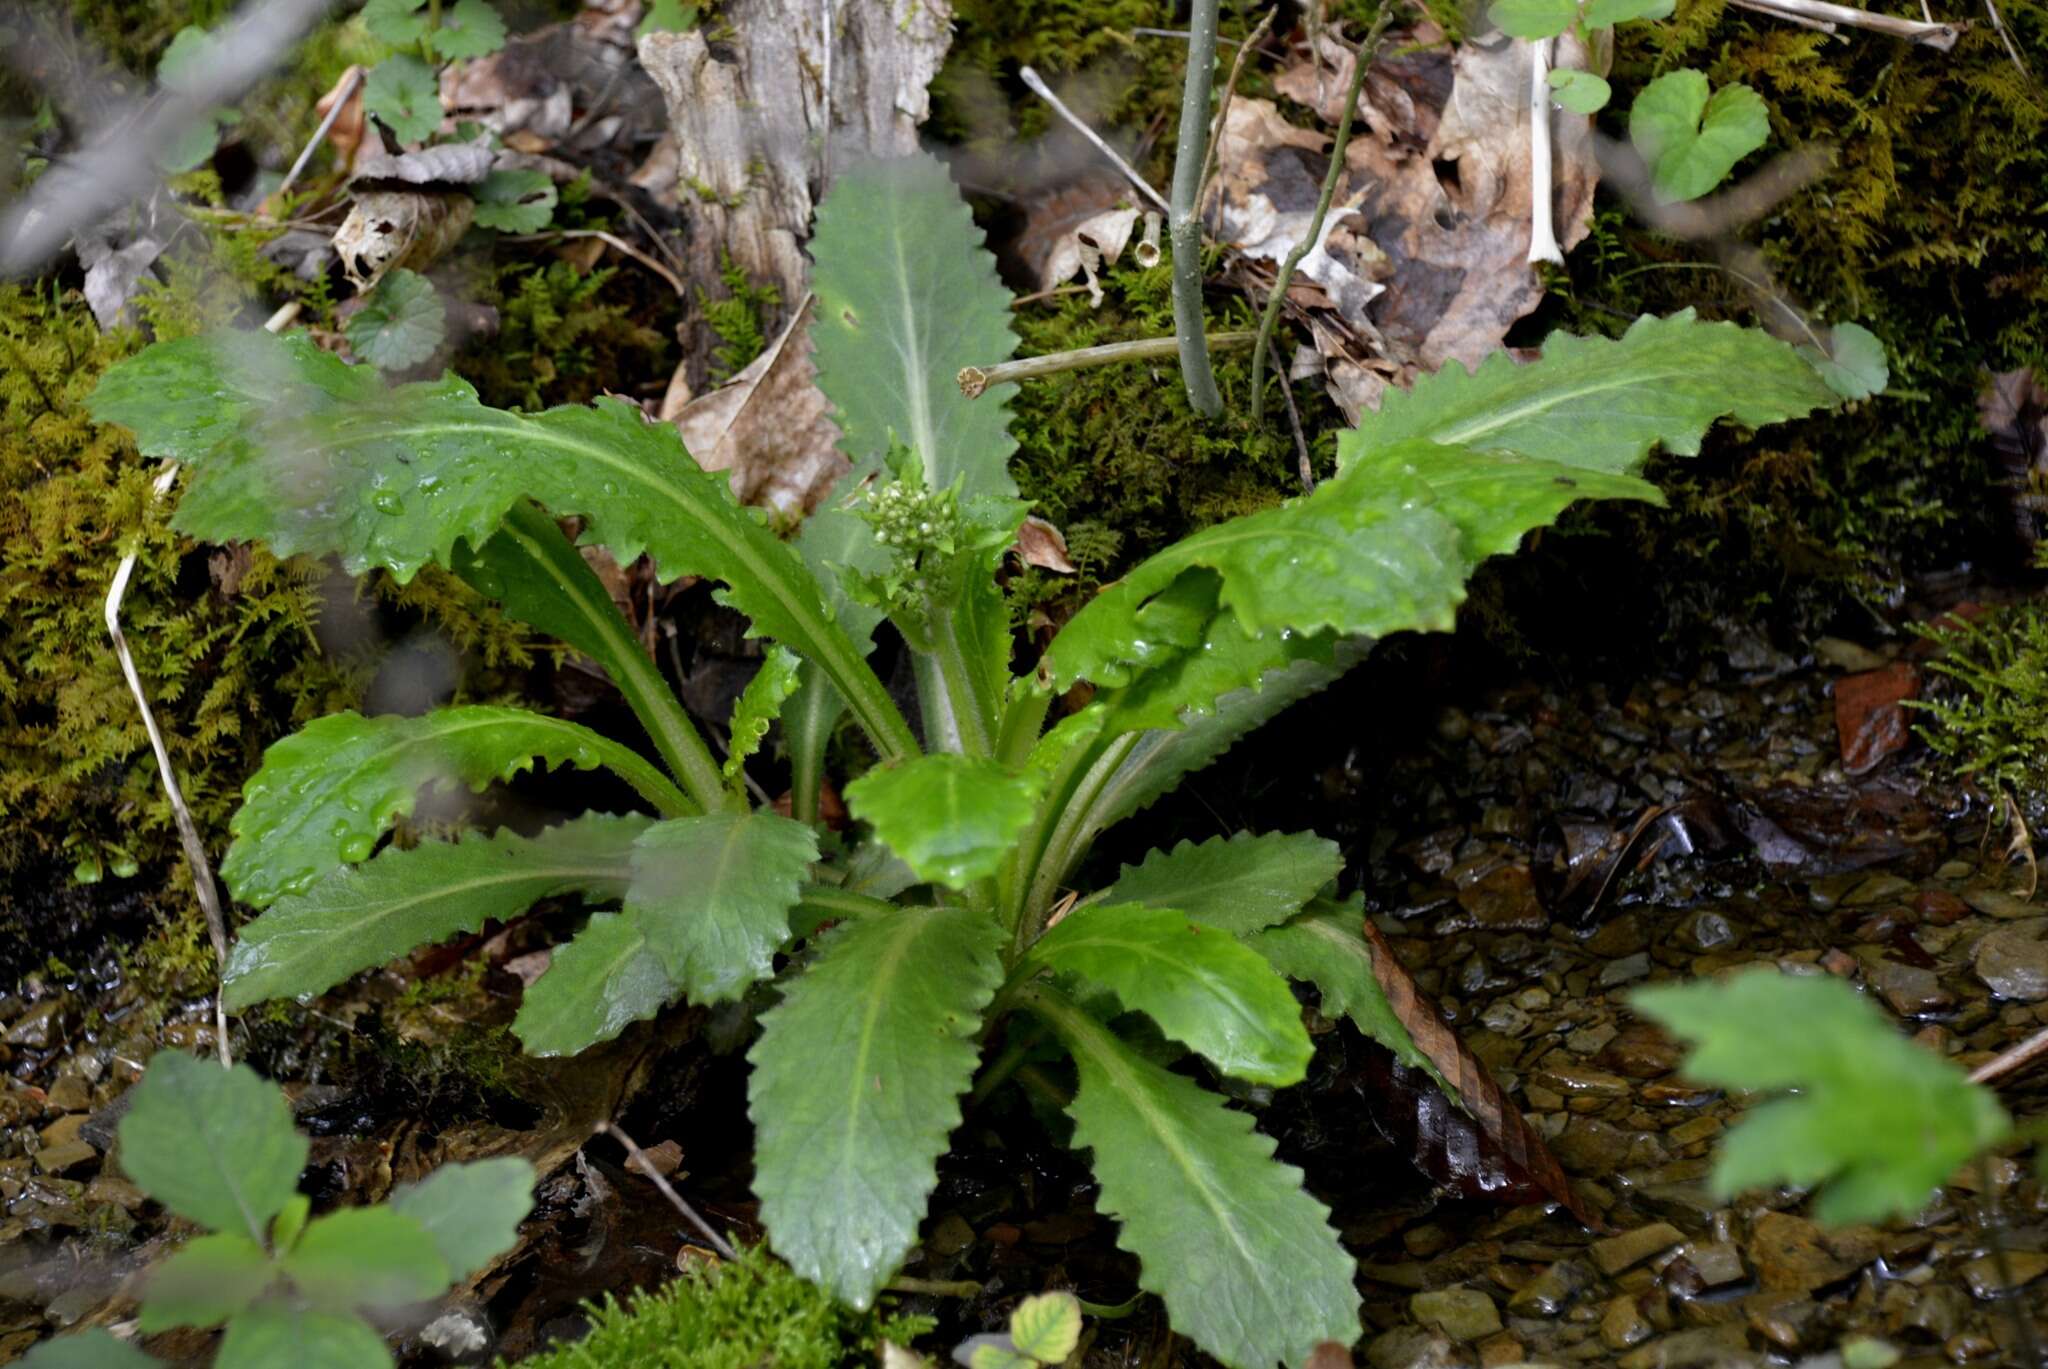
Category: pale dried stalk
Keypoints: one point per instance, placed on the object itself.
(975, 380)
(1146, 253)
(1044, 92)
(1934, 35)
(639, 1157)
(181, 812)
(2012, 1058)
(1542, 219)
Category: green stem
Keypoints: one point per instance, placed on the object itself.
(1195, 372)
(1000, 1069)
(603, 632)
(1361, 60)
(973, 715)
(822, 903)
(1023, 720)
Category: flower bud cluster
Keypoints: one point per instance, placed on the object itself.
(910, 519)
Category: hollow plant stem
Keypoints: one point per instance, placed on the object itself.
(1186, 224)
(1367, 51)
(975, 380)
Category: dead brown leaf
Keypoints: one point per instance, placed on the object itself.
(346, 133)
(1423, 258)
(770, 425)
(1041, 544)
(1484, 1149)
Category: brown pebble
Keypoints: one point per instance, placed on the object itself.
(1987, 1281)
(1640, 1050)
(1630, 1248)
(1939, 907)
(1702, 1345)
(1789, 1256)
(1623, 1325)
(1497, 1351)
(1969, 1345)
(1778, 1319)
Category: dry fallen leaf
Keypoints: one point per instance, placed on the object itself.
(391, 228)
(770, 425)
(1091, 246)
(1423, 259)
(1041, 544)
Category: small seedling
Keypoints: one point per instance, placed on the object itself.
(217, 1148)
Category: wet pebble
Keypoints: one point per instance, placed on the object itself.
(1682, 1349)
(1936, 1314)
(1630, 1248)
(1415, 1347)
(1998, 903)
(1464, 1314)
(1551, 1290)
(2013, 963)
(1909, 990)
(63, 1149)
(1506, 1018)
(1789, 1255)
(1986, 1280)
(1706, 930)
(1623, 1324)
(43, 1026)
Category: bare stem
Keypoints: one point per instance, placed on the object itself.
(639, 1157)
(1542, 213)
(1367, 51)
(1195, 372)
(1934, 35)
(1044, 92)
(975, 380)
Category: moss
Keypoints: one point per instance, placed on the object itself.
(749, 1313)
(225, 639)
(1990, 706)
(1113, 454)
(1928, 230)
(737, 318)
(564, 337)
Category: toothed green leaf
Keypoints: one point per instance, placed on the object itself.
(206, 1281)
(1047, 1326)
(271, 1334)
(1876, 1119)
(213, 1145)
(712, 895)
(361, 917)
(1599, 404)
(366, 1257)
(93, 1348)
(760, 704)
(1533, 19)
(1237, 884)
(602, 981)
(516, 201)
(856, 1085)
(405, 96)
(1202, 986)
(470, 28)
(325, 794)
(400, 324)
(471, 1211)
(1243, 1257)
(397, 22)
(290, 446)
(952, 818)
(907, 295)
(1326, 947)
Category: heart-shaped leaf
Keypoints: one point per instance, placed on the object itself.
(1690, 139)
(1854, 364)
(1581, 92)
(400, 324)
(405, 95)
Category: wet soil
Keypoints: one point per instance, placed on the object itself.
(1532, 853)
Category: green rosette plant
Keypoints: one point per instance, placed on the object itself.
(908, 955)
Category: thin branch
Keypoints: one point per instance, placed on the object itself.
(181, 812)
(639, 1157)
(975, 380)
(349, 83)
(81, 192)
(1312, 235)
(1308, 474)
(1196, 375)
(1937, 35)
(1044, 92)
(2012, 1058)
(2005, 37)
(611, 240)
(1230, 89)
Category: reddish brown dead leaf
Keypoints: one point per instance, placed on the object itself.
(346, 133)
(1870, 714)
(1483, 1150)
(1330, 1355)
(770, 425)
(1041, 544)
